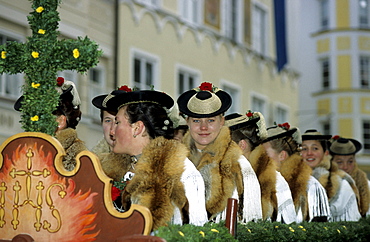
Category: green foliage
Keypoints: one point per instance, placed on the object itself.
(192, 233)
(267, 231)
(40, 58)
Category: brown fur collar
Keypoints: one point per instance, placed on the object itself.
(265, 169)
(363, 189)
(297, 173)
(115, 165)
(72, 146)
(101, 147)
(219, 166)
(156, 184)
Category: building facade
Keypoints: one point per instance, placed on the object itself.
(330, 47)
(169, 45)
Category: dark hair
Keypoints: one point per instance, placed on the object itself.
(248, 133)
(286, 143)
(102, 114)
(153, 116)
(71, 112)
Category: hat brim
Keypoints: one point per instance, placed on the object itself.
(241, 124)
(119, 100)
(184, 98)
(315, 137)
(289, 132)
(357, 145)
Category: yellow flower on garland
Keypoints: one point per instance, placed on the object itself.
(41, 31)
(35, 54)
(39, 9)
(35, 85)
(215, 230)
(181, 233)
(76, 53)
(3, 54)
(291, 229)
(202, 233)
(35, 118)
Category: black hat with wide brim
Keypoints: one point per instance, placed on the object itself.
(313, 134)
(100, 101)
(237, 121)
(115, 102)
(204, 104)
(343, 146)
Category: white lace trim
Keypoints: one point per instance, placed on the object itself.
(286, 210)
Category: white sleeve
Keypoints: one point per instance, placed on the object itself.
(318, 204)
(286, 209)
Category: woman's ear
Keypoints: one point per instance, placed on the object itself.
(283, 155)
(62, 122)
(242, 144)
(138, 128)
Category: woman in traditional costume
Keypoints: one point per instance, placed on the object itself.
(161, 177)
(226, 172)
(309, 197)
(68, 115)
(339, 186)
(343, 152)
(248, 131)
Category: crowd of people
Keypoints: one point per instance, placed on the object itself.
(184, 160)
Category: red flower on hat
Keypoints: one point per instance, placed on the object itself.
(115, 193)
(125, 88)
(206, 86)
(335, 137)
(285, 126)
(60, 81)
(249, 113)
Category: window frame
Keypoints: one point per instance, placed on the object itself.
(364, 15)
(364, 72)
(235, 94)
(186, 9)
(96, 89)
(324, 14)
(189, 72)
(325, 73)
(145, 58)
(260, 28)
(366, 136)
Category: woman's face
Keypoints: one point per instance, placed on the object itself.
(345, 162)
(122, 133)
(312, 152)
(205, 130)
(107, 124)
(273, 154)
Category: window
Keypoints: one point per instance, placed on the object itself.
(232, 19)
(326, 129)
(366, 136)
(144, 72)
(190, 10)
(186, 81)
(281, 115)
(324, 14)
(258, 105)
(325, 74)
(96, 87)
(259, 22)
(364, 71)
(364, 12)
(10, 85)
(234, 93)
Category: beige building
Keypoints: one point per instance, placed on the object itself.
(173, 45)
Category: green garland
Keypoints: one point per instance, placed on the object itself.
(267, 231)
(40, 58)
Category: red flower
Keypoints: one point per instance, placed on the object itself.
(125, 88)
(249, 114)
(335, 137)
(285, 126)
(115, 193)
(60, 81)
(206, 86)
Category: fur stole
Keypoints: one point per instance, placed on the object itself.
(72, 146)
(101, 147)
(363, 188)
(330, 177)
(265, 169)
(220, 169)
(297, 173)
(115, 165)
(157, 182)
